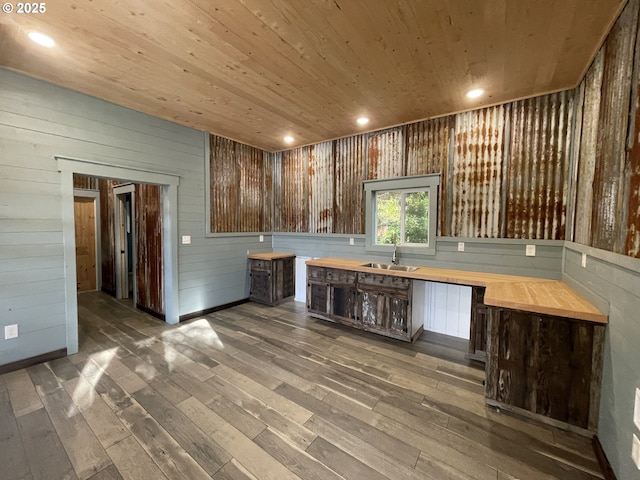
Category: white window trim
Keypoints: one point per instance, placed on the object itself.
(419, 182)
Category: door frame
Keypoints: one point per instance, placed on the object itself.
(78, 192)
(119, 191)
(67, 166)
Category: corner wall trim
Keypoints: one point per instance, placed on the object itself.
(201, 313)
(28, 362)
(605, 466)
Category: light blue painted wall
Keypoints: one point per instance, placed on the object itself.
(38, 121)
(612, 282)
(506, 256)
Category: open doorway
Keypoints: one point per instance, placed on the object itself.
(162, 234)
(125, 242)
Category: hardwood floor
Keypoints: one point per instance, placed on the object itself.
(258, 392)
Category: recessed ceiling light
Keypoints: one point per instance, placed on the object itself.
(288, 139)
(42, 39)
(362, 120)
(475, 93)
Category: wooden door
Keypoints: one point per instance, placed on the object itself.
(85, 225)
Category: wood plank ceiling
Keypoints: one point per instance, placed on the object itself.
(256, 70)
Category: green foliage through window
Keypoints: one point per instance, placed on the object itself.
(402, 217)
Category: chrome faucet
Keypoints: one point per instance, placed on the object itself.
(394, 257)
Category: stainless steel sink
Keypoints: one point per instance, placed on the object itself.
(391, 266)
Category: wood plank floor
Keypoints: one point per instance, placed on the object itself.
(256, 392)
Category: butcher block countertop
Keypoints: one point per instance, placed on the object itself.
(537, 295)
(269, 255)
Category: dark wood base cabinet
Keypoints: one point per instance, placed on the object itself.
(478, 333)
(374, 302)
(546, 367)
(272, 280)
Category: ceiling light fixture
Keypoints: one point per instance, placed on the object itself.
(362, 120)
(475, 93)
(288, 139)
(42, 39)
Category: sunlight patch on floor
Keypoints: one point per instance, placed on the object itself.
(203, 331)
(83, 394)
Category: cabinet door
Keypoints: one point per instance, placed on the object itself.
(288, 277)
(384, 312)
(543, 364)
(398, 317)
(478, 333)
(343, 303)
(261, 288)
(318, 297)
(371, 308)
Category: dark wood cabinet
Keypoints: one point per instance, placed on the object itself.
(332, 294)
(545, 365)
(384, 304)
(272, 277)
(478, 333)
(374, 302)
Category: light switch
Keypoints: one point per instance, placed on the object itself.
(530, 251)
(584, 260)
(352, 241)
(186, 239)
(261, 238)
(461, 246)
(10, 331)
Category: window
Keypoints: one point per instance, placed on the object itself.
(402, 217)
(403, 212)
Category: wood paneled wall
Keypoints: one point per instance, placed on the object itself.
(108, 235)
(559, 166)
(85, 182)
(148, 240)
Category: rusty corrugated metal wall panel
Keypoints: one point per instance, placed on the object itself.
(609, 205)
(293, 198)
(249, 161)
(85, 182)
(224, 185)
(632, 240)
(385, 154)
(276, 162)
(538, 175)
(476, 178)
(427, 145)
(148, 241)
(321, 186)
(587, 150)
(107, 235)
(267, 211)
(350, 155)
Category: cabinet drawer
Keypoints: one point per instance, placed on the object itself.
(388, 281)
(261, 265)
(316, 273)
(341, 276)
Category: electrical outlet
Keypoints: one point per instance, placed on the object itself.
(186, 239)
(530, 251)
(261, 238)
(10, 331)
(584, 260)
(461, 246)
(352, 241)
(248, 252)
